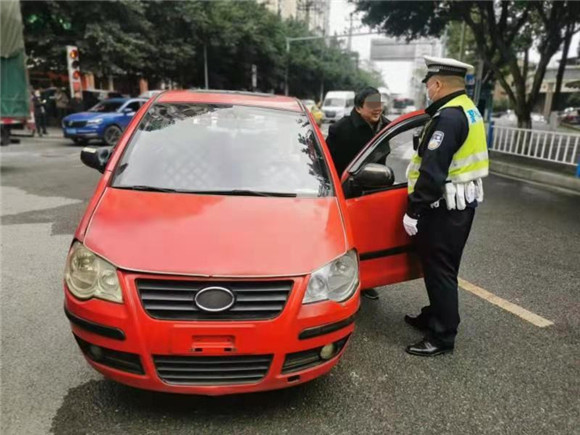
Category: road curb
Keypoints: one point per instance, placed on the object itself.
(536, 175)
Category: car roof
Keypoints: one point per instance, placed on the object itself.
(115, 100)
(122, 100)
(269, 101)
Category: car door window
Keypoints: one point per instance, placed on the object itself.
(393, 148)
(134, 106)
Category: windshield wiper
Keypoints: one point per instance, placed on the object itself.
(147, 188)
(244, 192)
(234, 192)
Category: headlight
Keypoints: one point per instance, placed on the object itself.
(336, 281)
(88, 276)
(95, 121)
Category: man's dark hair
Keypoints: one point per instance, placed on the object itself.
(361, 96)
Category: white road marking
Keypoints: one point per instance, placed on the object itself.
(506, 305)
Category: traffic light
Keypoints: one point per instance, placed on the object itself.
(74, 72)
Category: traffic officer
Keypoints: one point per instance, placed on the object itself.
(348, 136)
(445, 187)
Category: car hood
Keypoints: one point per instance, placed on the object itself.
(335, 108)
(85, 116)
(214, 235)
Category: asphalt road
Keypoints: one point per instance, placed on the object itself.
(506, 376)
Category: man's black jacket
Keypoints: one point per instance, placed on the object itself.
(347, 137)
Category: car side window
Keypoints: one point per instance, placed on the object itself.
(134, 106)
(394, 148)
(402, 150)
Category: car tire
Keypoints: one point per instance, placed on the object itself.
(5, 140)
(112, 135)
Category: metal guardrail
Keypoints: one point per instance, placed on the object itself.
(552, 146)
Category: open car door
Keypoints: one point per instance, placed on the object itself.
(376, 198)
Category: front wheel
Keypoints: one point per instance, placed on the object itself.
(5, 139)
(112, 135)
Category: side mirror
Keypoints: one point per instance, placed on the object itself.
(375, 175)
(96, 158)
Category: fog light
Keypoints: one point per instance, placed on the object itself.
(327, 351)
(96, 352)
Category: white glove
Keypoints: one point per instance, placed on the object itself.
(460, 196)
(470, 192)
(450, 196)
(410, 225)
(479, 190)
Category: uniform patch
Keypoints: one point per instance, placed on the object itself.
(436, 140)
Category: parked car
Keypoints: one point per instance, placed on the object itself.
(570, 115)
(104, 121)
(221, 252)
(337, 104)
(316, 112)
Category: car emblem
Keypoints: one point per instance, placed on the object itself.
(214, 299)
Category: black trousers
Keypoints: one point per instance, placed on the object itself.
(440, 241)
(40, 119)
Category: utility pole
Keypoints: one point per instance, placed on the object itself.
(350, 33)
(205, 65)
(286, 90)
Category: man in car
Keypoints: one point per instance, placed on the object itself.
(348, 136)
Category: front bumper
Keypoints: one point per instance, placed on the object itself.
(82, 132)
(127, 345)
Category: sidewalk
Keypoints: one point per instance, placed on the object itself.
(537, 171)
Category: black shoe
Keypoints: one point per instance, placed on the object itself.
(417, 322)
(371, 294)
(426, 348)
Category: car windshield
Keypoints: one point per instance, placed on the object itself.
(334, 102)
(106, 106)
(204, 148)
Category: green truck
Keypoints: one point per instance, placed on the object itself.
(15, 104)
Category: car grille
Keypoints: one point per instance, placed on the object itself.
(212, 370)
(329, 114)
(75, 124)
(175, 300)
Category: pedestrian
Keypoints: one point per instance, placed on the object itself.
(76, 103)
(445, 187)
(62, 103)
(348, 136)
(39, 112)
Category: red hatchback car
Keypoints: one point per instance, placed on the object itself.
(221, 253)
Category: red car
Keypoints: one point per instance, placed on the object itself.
(221, 253)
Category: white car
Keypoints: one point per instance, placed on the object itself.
(337, 104)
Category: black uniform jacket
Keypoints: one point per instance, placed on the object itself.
(441, 138)
(348, 136)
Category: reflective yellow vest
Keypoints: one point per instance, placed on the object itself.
(471, 161)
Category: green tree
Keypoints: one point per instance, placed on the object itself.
(108, 34)
(167, 41)
(502, 30)
(454, 32)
